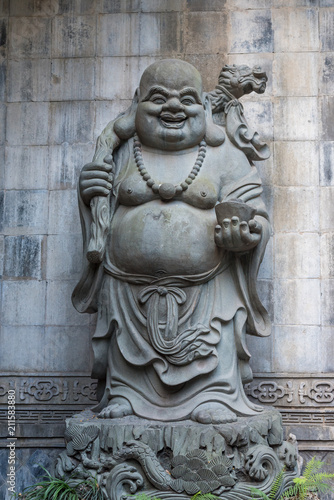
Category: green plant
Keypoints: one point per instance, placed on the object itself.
(52, 488)
(313, 481)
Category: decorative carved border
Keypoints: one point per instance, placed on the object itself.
(49, 389)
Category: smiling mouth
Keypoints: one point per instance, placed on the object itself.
(172, 121)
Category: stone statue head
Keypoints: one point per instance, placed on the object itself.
(169, 111)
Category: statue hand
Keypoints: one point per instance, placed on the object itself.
(96, 180)
(237, 236)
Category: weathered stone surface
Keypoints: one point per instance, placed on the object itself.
(327, 311)
(24, 302)
(25, 211)
(28, 123)
(208, 37)
(296, 119)
(296, 74)
(30, 37)
(297, 302)
(73, 36)
(161, 34)
(327, 80)
(296, 163)
(297, 255)
(290, 214)
(73, 79)
(67, 348)
(119, 35)
(326, 21)
(29, 358)
(59, 310)
(296, 342)
(327, 117)
(327, 255)
(64, 203)
(120, 6)
(30, 80)
(26, 167)
(64, 164)
(326, 208)
(64, 256)
(296, 30)
(251, 31)
(73, 122)
(24, 256)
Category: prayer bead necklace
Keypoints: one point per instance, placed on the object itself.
(167, 191)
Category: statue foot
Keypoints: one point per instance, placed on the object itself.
(117, 408)
(213, 413)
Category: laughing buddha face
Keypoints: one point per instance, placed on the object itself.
(170, 114)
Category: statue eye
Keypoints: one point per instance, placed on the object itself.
(188, 101)
(158, 99)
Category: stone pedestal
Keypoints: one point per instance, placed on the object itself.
(176, 460)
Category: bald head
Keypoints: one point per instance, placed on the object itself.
(173, 74)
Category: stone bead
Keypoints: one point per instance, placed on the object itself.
(155, 188)
(143, 171)
(150, 182)
(184, 186)
(192, 176)
(146, 177)
(178, 189)
(188, 180)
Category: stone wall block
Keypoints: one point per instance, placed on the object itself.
(27, 123)
(205, 37)
(327, 118)
(33, 8)
(26, 167)
(117, 6)
(31, 357)
(296, 209)
(78, 7)
(261, 352)
(297, 255)
(2, 210)
(30, 80)
(73, 79)
(3, 121)
(170, 5)
(3, 37)
(327, 163)
(297, 302)
(296, 163)
(326, 21)
(63, 212)
(327, 254)
(296, 119)
(327, 296)
(296, 30)
(72, 122)
(73, 36)
(2, 253)
(120, 88)
(161, 34)
(251, 31)
(118, 35)
(25, 212)
(296, 74)
(23, 302)
(59, 308)
(327, 349)
(266, 293)
(327, 74)
(4, 7)
(3, 78)
(259, 116)
(64, 257)
(30, 37)
(67, 348)
(327, 208)
(66, 162)
(24, 256)
(294, 343)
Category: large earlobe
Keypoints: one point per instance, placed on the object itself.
(214, 135)
(124, 126)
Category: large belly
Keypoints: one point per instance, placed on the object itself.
(169, 238)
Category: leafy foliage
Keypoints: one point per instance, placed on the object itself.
(52, 488)
(312, 481)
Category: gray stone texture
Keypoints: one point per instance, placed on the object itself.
(67, 67)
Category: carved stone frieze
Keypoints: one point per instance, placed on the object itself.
(176, 460)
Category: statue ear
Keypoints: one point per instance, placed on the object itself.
(124, 126)
(214, 135)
